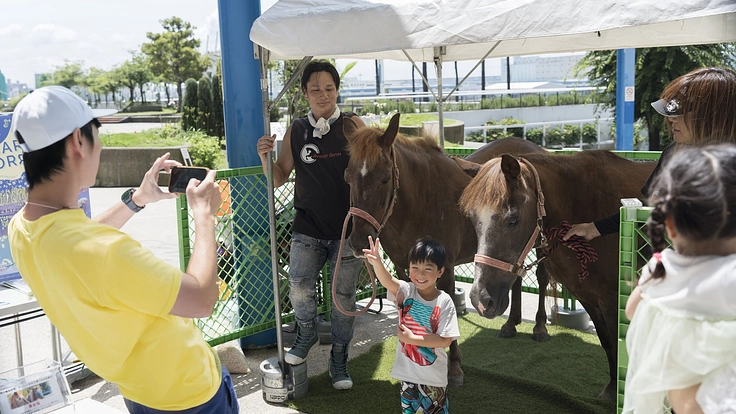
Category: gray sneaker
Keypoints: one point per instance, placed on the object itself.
(306, 337)
(339, 367)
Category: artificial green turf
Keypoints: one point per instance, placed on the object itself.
(515, 375)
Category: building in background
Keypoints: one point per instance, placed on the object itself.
(3, 88)
(16, 89)
(539, 68)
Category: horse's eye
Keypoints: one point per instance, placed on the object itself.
(512, 221)
(384, 181)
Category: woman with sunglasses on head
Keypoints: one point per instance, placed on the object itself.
(700, 108)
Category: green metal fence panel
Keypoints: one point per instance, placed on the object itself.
(245, 307)
(634, 253)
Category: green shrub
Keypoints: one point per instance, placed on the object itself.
(204, 105)
(218, 111)
(535, 135)
(590, 133)
(407, 106)
(190, 114)
(205, 150)
(474, 136)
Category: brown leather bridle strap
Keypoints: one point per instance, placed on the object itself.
(541, 212)
(333, 290)
(354, 211)
(518, 268)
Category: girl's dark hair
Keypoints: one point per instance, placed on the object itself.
(41, 164)
(696, 189)
(428, 250)
(320, 66)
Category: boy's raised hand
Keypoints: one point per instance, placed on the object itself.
(373, 253)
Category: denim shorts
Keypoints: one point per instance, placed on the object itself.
(225, 401)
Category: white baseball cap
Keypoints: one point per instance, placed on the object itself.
(49, 114)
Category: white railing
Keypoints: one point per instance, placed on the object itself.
(544, 125)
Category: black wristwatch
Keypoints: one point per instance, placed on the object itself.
(127, 198)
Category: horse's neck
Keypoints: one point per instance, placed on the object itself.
(425, 174)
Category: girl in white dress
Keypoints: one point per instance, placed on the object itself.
(682, 338)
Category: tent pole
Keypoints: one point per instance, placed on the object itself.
(294, 76)
(438, 52)
(426, 82)
(263, 56)
(472, 70)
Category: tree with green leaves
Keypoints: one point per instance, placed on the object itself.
(204, 105)
(95, 80)
(68, 75)
(218, 110)
(135, 73)
(174, 54)
(189, 117)
(655, 68)
(110, 83)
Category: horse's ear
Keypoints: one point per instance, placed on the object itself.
(469, 167)
(388, 137)
(510, 166)
(349, 127)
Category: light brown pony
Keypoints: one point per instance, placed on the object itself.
(424, 204)
(502, 202)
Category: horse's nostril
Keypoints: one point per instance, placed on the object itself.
(486, 301)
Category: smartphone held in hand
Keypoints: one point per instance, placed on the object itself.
(180, 177)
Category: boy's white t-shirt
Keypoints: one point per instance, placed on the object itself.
(683, 333)
(422, 365)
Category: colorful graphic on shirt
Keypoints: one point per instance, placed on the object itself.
(309, 153)
(421, 320)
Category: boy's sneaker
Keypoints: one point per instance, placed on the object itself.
(306, 337)
(339, 368)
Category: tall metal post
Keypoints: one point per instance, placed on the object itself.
(241, 76)
(438, 52)
(625, 90)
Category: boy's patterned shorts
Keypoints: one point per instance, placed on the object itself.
(418, 398)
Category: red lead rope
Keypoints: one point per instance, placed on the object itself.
(583, 250)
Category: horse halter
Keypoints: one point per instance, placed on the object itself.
(518, 268)
(355, 211)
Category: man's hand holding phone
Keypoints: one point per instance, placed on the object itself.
(203, 196)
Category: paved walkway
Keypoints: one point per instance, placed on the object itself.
(155, 227)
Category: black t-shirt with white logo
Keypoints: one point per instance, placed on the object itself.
(321, 195)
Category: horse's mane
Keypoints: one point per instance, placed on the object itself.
(364, 145)
(485, 189)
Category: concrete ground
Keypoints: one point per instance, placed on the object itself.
(155, 227)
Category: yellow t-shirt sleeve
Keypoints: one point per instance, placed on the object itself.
(133, 277)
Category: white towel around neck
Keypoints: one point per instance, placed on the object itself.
(322, 126)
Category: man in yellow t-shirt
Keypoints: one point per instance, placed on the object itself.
(124, 312)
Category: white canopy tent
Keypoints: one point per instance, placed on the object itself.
(383, 29)
(449, 30)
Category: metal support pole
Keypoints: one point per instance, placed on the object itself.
(438, 52)
(263, 57)
(625, 79)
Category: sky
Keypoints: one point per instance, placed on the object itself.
(38, 35)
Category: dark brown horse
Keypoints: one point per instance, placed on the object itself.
(503, 203)
(411, 189)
